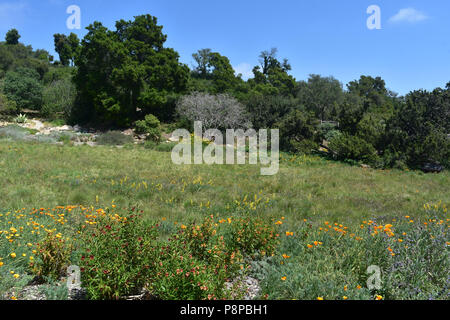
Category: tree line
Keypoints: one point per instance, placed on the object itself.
(118, 78)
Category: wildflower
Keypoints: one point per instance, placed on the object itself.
(13, 298)
(309, 246)
(13, 255)
(285, 256)
(358, 287)
(345, 297)
(378, 297)
(1, 263)
(16, 276)
(319, 298)
(283, 278)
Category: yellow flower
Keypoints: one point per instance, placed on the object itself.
(13, 255)
(13, 298)
(285, 256)
(345, 297)
(378, 297)
(1, 264)
(319, 298)
(358, 287)
(16, 276)
(283, 278)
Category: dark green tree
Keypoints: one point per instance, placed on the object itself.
(23, 87)
(128, 72)
(12, 37)
(63, 48)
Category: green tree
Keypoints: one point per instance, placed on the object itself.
(63, 48)
(12, 37)
(127, 72)
(322, 95)
(418, 132)
(298, 131)
(272, 77)
(23, 87)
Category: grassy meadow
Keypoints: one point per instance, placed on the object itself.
(309, 232)
(41, 175)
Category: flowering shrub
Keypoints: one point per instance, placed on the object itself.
(331, 260)
(53, 256)
(116, 253)
(252, 235)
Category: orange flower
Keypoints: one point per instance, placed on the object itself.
(283, 278)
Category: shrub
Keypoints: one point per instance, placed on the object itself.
(23, 87)
(116, 255)
(114, 138)
(347, 147)
(58, 98)
(13, 132)
(52, 258)
(214, 111)
(150, 126)
(252, 236)
(298, 132)
(7, 106)
(180, 275)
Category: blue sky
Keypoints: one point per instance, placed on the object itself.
(326, 37)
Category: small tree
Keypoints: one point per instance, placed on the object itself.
(214, 111)
(24, 88)
(12, 37)
(150, 126)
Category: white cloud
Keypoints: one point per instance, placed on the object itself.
(245, 69)
(410, 15)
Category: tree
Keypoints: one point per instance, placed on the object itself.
(298, 131)
(214, 111)
(216, 70)
(22, 86)
(74, 44)
(127, 72)
(12, 37)
(63, 48)
(322, 95)
(272, 77)
(203, 60)
(417, 134)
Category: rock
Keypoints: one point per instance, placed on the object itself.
(128, 132)
(247, 285)
(432, 168)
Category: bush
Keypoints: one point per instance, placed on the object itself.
(13, 132)
(114, 138)
(24, 89)
(214, 111)
(58, 97)
(347, 147)
(116, 255)
(52, 258)
(298, 132)
(7, 106)
(150, 126)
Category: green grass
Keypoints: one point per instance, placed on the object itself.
(42, 175)
(307, 192)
